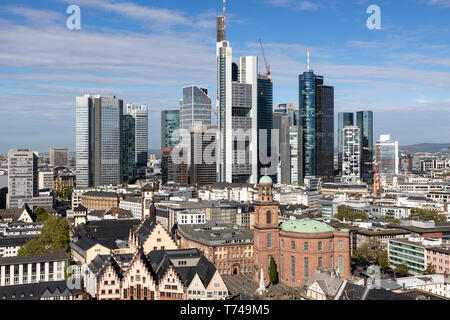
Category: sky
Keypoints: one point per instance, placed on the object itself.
(145, 51)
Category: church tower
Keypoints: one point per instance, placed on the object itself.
(266, 230)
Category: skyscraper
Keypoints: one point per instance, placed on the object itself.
(202, 169)
(99, 140)
(351, 154)
(345, 119)
(324, 130)
(316, 106)
(129, 147)
(291, 109)
(170, 123)
(281, 123)
(237, 114)
(23, 181)
(364, 120)
(140, 116)
(387, 157)
(195, 107)
(265, 125)
(22, 177)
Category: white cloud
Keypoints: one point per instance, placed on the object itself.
(296, 5)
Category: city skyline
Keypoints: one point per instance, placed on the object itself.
(398, 72)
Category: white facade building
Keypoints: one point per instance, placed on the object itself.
(351, 158)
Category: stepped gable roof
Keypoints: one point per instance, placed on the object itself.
(140, 254)
(144, 229)
(102, 262)
(34, 291)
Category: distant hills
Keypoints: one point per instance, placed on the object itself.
(425, 147)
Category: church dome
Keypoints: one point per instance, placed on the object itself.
(265, 180)
(306, 226)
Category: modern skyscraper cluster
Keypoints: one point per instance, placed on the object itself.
(364, 122)
(100, 140)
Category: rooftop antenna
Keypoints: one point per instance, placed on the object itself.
(223, 14)
(307, 67)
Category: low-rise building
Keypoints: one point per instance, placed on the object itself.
(9, 246)
(30, 269)
(227, 246)
(436, 283)
(100, 200)
(134, 204)
(52, 290)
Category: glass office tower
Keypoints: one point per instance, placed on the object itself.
(345, 119)
(307, 106)
(99, 140)
(324, 130)
(129, 154)
(364, 120)
(195, 107)
(265, 111)
(140, 116)
(169, 128)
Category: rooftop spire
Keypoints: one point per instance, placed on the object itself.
(307, 66)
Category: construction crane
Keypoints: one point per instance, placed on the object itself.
(268, 74)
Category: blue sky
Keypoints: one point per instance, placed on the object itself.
(146, 51)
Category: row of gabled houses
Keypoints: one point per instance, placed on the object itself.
(141, 260)
(160, 275)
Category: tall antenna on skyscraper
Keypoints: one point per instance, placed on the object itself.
(307, 67)
(223, 14)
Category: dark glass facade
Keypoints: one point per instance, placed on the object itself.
(170, 122)
(128, 151)
(364, 120)
(325, 131)
(316, 108)
(307, 106)
(265, 121)
(345, 119)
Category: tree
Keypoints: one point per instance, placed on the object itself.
(347, 212)
(429, 270)
(273, 275)
(382, 258)
(54, 238)
(41, 214)
(428, 214)
(402, 270)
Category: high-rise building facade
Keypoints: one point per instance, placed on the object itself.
(324, 130)
(364, 120)
(345, 119)
(99, 140)
(202, 169)
(129, 147)
(316, 107)
(59, 157)
(265, 124)
(281, 123)
(295, 146)
(291, 109)
(140, 116)
(170, 122)
(237, 115)
(307, 106)
(351, 156)
(22, 177)
(195, 107)
(387, 158)
(23, 181)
